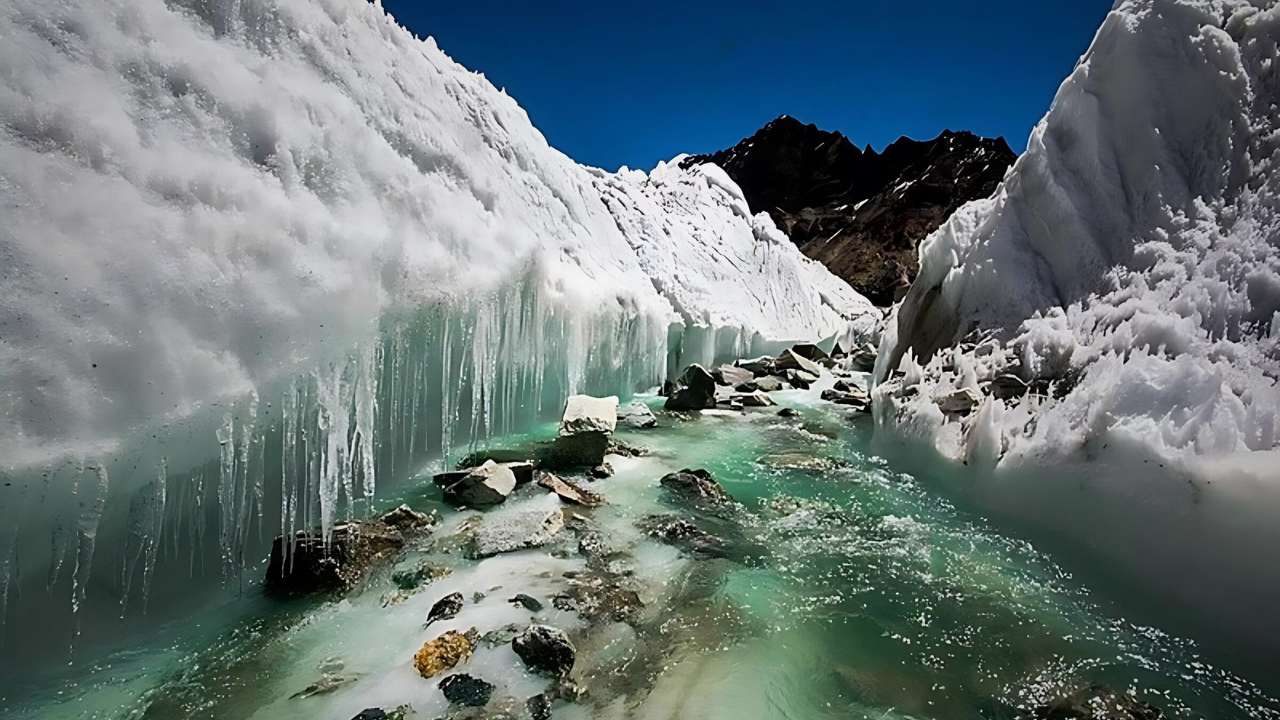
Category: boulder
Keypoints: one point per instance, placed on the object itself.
(585, 428)
(539, 707)
(406, 519)
(768, 383)
(696, 390)
(545, 649)
(638, 416)
(445, 652)
(800, 379)
(683, 533)
(516, 530)
(787, 412)
(856, 398)
(1007, 386)
(484, 486)
(863, 358)
(446, 608)
(602, 471)
(958, 402)
(569, 492)
(755, 399)
(463, 689)
(696, 486)
(528, 602)
(763, 365)
(731, 375)
(809, 351)
(789, 360)
(306, 564)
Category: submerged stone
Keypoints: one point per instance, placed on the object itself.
(518, 530)
(695, 485)
(528, 602)
(1095, 702)
(545, 649)
(683, 533)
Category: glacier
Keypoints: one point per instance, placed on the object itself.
(259, 257)
(1130, 265)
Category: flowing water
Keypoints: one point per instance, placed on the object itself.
(840, 589)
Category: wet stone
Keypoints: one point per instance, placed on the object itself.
(695, 486)
(539, 707)
(446, 608)
(445, 652)
(545, 649)
(464, 689)
(528, 602)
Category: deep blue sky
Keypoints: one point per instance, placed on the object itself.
(629, 83)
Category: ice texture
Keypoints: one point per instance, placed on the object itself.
(257, 257)
(1130, 262)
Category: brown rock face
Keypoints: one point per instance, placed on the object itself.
(859, 212)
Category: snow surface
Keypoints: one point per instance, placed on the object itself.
(201, 198)
(1131, 257)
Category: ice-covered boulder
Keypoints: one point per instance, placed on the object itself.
(516, 529)
(585, 429)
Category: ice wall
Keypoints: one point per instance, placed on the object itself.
(261, 256)
(1129, 266)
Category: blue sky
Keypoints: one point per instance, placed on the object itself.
(631, 83)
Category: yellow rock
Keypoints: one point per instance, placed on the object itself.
(445, 652)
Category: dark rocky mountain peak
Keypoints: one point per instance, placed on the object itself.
(860, 212)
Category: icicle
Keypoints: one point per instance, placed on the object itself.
(91, 509)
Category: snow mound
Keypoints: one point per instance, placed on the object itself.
(1128, 271)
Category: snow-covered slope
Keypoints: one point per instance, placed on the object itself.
(200, 196)
(1130, 265)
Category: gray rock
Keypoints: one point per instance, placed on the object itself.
(755, 399)
(545, 649)
(789, 360)
(1007, 386)
(638, 416)
(863, 358)
(406, 519)
(516, 529)
(585, 429)
(809, 351)
(763, 365)
(959, 402)
(306, 564)
(695, 485)
(528, 602)
(696, 390)
(601, 471)
(787, 412)
(446, 608)
(731, 375)
(768, 383)
(683, 533)
(800, 379)
(569, 492)
(484, 486)
(371, 714)
(539, 707)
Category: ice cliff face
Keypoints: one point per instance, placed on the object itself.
(1129, 270)
(201, 197)
(1134, 251)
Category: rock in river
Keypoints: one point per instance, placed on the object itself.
(309, 565)
(585, 429)
(545, 649)
(445, 608)
(637, 415)
(509, 531)
(463, 689)
(484, 486)
(790, 360)
(445, 652)
(731, 375)
(696, 390)
(695, 485)
(569, 492)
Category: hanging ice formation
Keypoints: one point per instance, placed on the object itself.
(262, 258)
